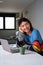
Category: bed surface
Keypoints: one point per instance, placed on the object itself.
(30, 58)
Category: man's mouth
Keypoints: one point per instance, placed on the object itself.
(26, 30)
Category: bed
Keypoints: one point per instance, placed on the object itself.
(29, 58)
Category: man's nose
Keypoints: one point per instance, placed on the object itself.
(24, 27)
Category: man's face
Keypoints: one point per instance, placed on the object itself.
(25, 26)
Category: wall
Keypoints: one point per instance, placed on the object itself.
(35, 14)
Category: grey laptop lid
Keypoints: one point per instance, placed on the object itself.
(7, 47)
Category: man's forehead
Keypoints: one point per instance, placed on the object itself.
(23, 23)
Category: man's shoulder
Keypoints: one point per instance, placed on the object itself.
(35, 31)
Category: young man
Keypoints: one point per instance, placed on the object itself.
(31, 35)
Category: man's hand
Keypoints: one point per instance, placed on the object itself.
(20, 29)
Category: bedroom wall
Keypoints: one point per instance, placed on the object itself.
(35, 14)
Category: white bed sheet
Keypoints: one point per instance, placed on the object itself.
(29, 58)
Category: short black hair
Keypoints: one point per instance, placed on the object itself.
(25, 20)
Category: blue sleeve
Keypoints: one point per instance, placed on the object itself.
(37, 36)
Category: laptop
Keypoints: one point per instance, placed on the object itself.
(9, 47)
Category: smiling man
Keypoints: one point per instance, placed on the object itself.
(31, 35)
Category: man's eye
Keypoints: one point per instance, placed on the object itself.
(22, 26)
